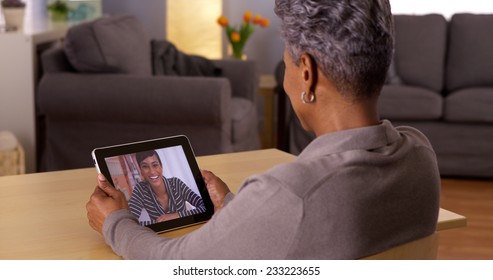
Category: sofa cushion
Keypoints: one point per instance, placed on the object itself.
(115, 44)
(470, 105)
(420, 44)
(409, 103)
(462, 149)
(470, 55)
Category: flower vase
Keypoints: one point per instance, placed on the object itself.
(239, 56)
(237, 53)
(14, 17)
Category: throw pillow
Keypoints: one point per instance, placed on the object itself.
(168, 60)
(116, 44)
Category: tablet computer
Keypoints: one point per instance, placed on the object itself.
(160, 179)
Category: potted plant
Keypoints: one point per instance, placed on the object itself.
(13, 4)
(13, 11)
(58, 10)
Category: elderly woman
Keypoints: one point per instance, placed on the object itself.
(361, 187)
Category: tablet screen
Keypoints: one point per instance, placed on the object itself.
(160, 179)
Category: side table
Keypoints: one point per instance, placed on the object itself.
(267, 83)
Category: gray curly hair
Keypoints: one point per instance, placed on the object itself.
(351, 41)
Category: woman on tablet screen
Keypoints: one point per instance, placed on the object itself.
(360, 187)
(157, 198)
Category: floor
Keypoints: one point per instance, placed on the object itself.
(473, 199)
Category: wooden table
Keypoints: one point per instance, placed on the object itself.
(43, 215)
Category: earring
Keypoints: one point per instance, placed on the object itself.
(311, 97)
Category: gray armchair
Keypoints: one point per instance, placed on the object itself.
(79, 111)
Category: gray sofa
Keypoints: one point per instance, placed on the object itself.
(99, 89)
(441, 82)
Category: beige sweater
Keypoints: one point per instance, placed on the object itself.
(349, 194)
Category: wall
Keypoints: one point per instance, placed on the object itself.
(152, 14)
(265, 46)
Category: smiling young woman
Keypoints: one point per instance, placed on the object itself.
(157, 198)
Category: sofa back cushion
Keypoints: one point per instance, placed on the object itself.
(420, 42)
(116, 44)
(470, 55)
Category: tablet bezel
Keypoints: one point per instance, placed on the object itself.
(100, 154)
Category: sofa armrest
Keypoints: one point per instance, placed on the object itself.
(83, 111)
(242, 75)
(131, 98)
(54, 60)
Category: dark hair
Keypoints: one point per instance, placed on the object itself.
(351, 41)
(141, 156)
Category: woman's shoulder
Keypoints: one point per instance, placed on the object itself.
(174, 182)
(142, 186)
(305, 167)
(297, 177)
(418, 137)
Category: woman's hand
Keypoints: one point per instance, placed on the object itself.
(167, 217)
(105, 200)
(217, 189)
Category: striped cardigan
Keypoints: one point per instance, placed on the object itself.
(145, 206)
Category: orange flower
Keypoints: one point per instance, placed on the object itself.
(264, 22)
(238, 35)
(235, 37)
(257, 19)
(223, 21)
(247, 16)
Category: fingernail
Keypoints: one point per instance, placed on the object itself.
(101, 177)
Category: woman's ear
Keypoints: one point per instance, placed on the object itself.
(309, 72)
